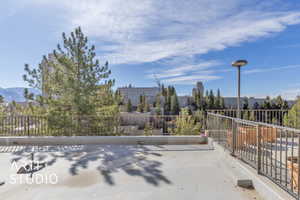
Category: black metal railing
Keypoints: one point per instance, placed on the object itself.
(32, 125)
(272, 116)
(271, 149)
(28, 125)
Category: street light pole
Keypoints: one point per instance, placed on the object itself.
(239, 64)
(239, 93)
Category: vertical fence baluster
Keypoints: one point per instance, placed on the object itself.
(259, 153)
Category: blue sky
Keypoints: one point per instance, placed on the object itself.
(181, 42)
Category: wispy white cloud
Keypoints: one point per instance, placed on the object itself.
(185, 69)
(172, 32)
(270, 69)
(158, 29)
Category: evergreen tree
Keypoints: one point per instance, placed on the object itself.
(279, 102)
(285, 105)
(158, 105)
(129, 106)
(197, 99)
(168, 93)
(245, 104)
(206, 93)
(141, 105)
(174, 105)
(200, 118)
(211, 100)
(267, 103)
(119, 98)
(186, 124)
(2, 109)
(292, 119)
(73, 84)
(146, 105)
(163, 90)
(1, 99)
(28, 95)
(218, 100)
(256, 105)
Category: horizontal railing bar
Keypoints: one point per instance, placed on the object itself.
(256, 123)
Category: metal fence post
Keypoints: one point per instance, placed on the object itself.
(234, 133)
(219, 136)
(28, 126)
(258, 136)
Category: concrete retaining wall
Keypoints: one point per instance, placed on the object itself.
(120, 140)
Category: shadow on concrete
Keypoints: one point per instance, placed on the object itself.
(136, 161)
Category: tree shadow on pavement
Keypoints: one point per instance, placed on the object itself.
(137, 161)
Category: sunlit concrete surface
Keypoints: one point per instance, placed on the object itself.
(119, 172)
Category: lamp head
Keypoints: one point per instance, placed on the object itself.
(239, 63)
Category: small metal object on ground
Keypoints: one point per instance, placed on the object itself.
(245, 183)
(2, 183)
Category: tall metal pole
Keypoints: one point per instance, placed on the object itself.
(239, 93)
(238, 64)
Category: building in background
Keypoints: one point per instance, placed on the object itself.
(199, 88)
(134, 93)
(231, 102)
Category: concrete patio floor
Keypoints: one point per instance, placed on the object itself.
(120, 172)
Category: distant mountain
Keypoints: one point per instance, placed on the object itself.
(16, 94)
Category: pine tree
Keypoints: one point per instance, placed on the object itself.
(73, 83)
(129, 106)
(198, 101)
(141, 105)
(2, 108)
(118, 97)
(285, 105)
(186, 124)
(245, 104)
(218, 100)
(255, 105)
(168, 93)
(279, 102)
(267, 103)
(174, 105)
(292, 119)
(157, 101)
(1, 99)
(146, 105)
(211, 100)
(158, 105)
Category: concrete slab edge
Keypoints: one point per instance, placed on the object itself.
(118, 140)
